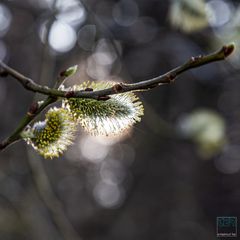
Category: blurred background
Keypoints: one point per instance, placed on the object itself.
(171, 175)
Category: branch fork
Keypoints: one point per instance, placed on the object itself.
(53, 94)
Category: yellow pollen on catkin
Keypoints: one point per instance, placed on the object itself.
(55, 134)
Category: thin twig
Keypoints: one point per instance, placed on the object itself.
(54, 93)
(166, 78)
(31, 114)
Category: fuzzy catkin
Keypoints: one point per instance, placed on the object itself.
(53, 135)
(109, 117)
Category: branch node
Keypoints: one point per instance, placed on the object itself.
(103, 98)
(192, 60)
(171, 77)
(117, 87)
(104, 94)
(69, 94)
(33, 109)
(62, 73)
(3, 73)
(88, 89)
(28, 84)
(198, 57)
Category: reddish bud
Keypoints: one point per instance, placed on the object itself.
(117, 88)
(3, 73)
(88, 89)
(227, 50)
(103, 98)
(33, 108)
(62, 73)
(69, 94)
(171, 77)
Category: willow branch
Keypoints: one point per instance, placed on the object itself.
(166, 78)
(54, 93)
(31, 114)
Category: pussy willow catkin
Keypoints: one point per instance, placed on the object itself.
(108, 117)
(53, 135)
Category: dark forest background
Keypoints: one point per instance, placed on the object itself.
(147, 184)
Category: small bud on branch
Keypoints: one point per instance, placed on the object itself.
(103, 94)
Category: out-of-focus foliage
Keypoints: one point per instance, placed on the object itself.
(188, 15)
(207, 129)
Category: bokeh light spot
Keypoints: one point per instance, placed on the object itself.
(125, 12)
(86, 37)
(62, 37)
(5, 19)
(74, 16)
(112, 172)
(108, 195)
(92, 149)
(104, 53)
(144, 29)
(218, 12)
